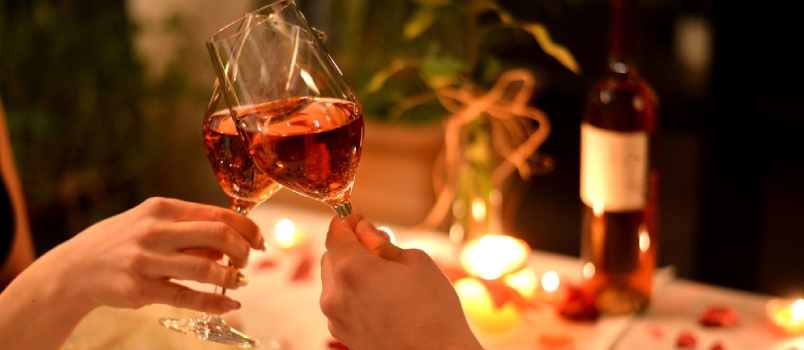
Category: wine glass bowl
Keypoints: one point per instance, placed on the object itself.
(310, 145)
(302, 122)
(244, 184)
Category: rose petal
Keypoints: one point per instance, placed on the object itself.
(685, 340)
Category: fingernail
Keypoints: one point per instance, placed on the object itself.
(263, 244)
(242, 280)
(229, 304)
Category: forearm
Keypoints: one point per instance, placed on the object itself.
(40, 311)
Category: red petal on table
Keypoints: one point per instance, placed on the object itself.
(685, 340)
(578, 306)
(654, 332)
(303, 269)
(334, 344)
(550, 341)
(719, 316)
(502, 293)
(266, 264)
(718, 346)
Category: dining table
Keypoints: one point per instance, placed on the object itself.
(280, 305)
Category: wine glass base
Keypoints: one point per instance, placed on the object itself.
(211, 329)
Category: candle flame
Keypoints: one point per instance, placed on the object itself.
(798, 311)
(285, 232)
(597, 208)
(588, 270)
(478, 209)
(492, 256)
(550, 281)
(644, 239)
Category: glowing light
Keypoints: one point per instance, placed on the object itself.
(478, 209)
(644, 239)
(523, 281)
(797, 311)
(390, 233)
(285, 233)
(492, 256)
(481, 310)
(785, 316)
(588, 270)
(550, 281)
(597, 208)
(456, 233)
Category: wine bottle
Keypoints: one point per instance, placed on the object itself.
(619, 177)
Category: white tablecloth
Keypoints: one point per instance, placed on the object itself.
(280, 308)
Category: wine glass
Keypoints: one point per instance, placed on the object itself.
(302, 122)
(245, 186)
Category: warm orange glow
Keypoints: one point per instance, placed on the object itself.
(550, 281)
(478, 209)
(786, 316)
(480, 309)
(493, 256)
(524, 281)
(588, 270)
(286, 234)
(597, 208)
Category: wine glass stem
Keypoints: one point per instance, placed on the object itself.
(244, 212)
(343, 209)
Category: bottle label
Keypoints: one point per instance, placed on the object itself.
(614, 169)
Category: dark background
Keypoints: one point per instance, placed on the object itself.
(732, 164)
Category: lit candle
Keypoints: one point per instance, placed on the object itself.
(493, 256)
(786, 316)
(286, 234)
(550, 290)
(500, 259)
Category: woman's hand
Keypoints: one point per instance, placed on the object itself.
(379, 296)
(130, 260)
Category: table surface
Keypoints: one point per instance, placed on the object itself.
(280, 306)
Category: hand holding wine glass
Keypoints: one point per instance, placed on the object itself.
(302, 122)
(245, 187)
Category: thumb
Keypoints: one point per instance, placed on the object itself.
(375, 241)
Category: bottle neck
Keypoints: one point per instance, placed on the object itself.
(622, 34)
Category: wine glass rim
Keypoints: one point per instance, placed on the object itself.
(274, 7)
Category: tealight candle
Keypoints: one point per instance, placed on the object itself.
(500, 259)
(786, 316)
(549, 288)
(286, 234)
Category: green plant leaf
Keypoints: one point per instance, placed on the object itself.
(381, 76)
(559, 52)
(422, 19)
(442, 71)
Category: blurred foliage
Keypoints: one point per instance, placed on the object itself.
(397, 53)
(73, 90)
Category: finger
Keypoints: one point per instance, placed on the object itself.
(374, 241)
(194, 212)
(192, 268)
(353, 219)
(183, 297)
(340, 233)
(218, 236)
(210, 254)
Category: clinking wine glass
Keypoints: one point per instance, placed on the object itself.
(302, 122)
(245, 186)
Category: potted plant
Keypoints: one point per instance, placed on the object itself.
(401, 56)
